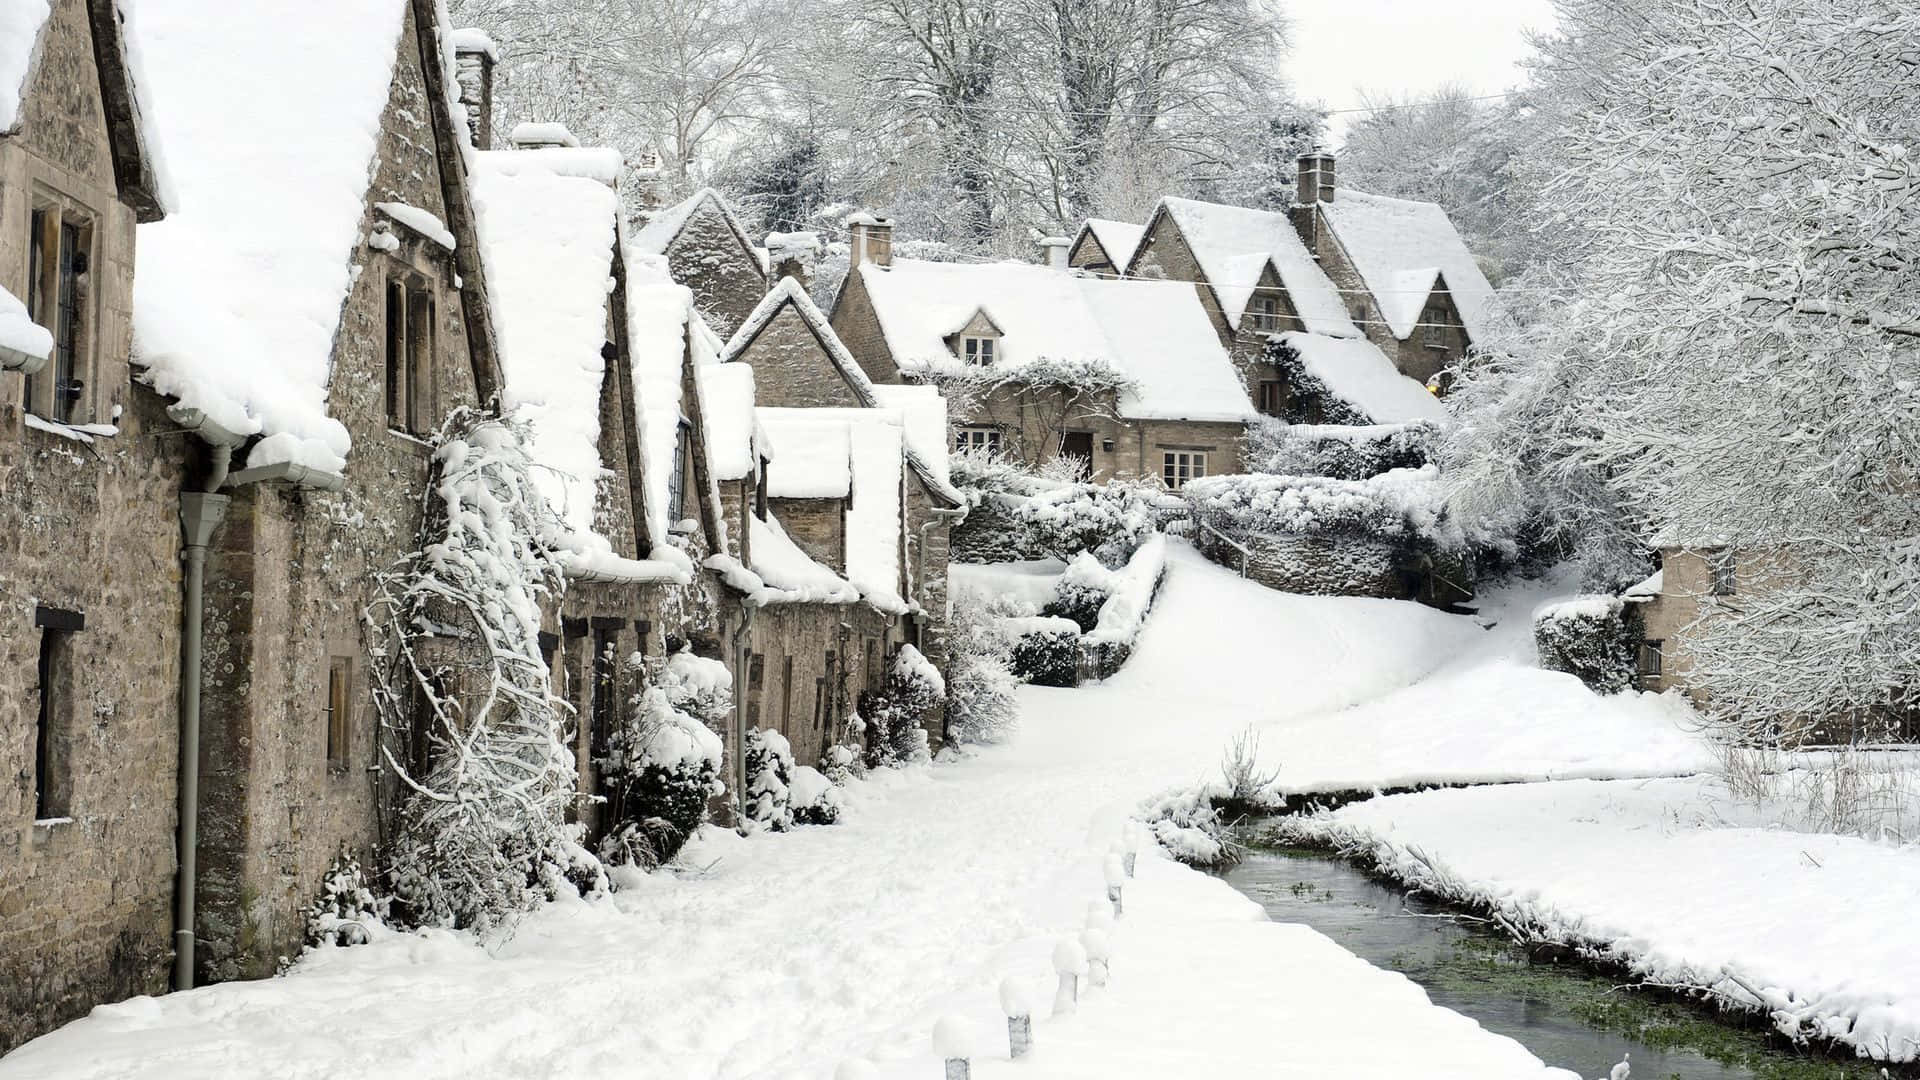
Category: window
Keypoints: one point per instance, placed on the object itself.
(339, 712)
(786, 693)
(59, 297)
(606, 692)
(1724, 569)
(1179, 466)
(677, 479)
(985, 439)
(756, 682)
(1652, 660)
(410, 351)
(977, 350)
(1270, 402)
(1266, 314)
(53, 743)
(1434, 327)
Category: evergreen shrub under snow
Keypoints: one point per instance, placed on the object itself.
(1343, 453)
(981, 707)
(769, 780)
(1403, 505)
(347, 911)
(1045, 651)
(1596, 638)
(665, 759)
(814, 799)
(1019, 514)
(896, 715)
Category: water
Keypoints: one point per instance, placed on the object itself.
(1566, 1016)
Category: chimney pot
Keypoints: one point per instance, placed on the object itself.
(474, 57)
(1053, 251)
(869, 239)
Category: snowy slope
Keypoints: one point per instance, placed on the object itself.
(1687, 886)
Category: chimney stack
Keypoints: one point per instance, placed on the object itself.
(474, 56)
(1053, 251)
(869, 239)
(1316, 178)
(793, 255)
(529, 135)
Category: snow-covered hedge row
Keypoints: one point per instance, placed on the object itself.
(1019, 515)
(1406, 505)
(1046, 650)
(1344, 453)
(1596, 638)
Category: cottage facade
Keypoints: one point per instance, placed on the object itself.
(708, 251)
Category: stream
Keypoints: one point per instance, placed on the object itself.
(1567, 1016)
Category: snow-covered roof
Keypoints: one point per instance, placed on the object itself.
(661, 325)
(923, 415)
(18, 332)
(733, 435)
(20, 22)
(1116, 238)
(790, 574)
(1155, 333)
(542, 133)
(1649, 589)
(475, 39)
(237, 293)
(1399, 246)
(1357, 371)
(1232, 244)
(857, 452)
(812, 453)
(548, 241)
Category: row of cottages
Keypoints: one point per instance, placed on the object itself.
(223, 379)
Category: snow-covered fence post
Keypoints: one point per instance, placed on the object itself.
(1098, 950)
(1018, 1008)
(1116, 876)
(953, 1041)
(1130, 845)
(1099, 914)
(1069, 960)
(856, 1069)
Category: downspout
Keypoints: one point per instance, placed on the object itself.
(201, 513)
(740, 653)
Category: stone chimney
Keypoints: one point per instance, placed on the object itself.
(792, 255)
(1316, 178)
(474, 56)
(869, 239)
(1053, 251)
(528, 135)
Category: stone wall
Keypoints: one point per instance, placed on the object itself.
(791, 368)
(1315, 565)
(88, 527)
(707, 256)
(818, 526)
(814, 661)
(858, 327)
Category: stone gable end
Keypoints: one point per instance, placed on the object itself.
(791, 368)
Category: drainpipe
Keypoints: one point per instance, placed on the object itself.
(740, 674)
(201, 513)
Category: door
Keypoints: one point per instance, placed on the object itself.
(1078, 444)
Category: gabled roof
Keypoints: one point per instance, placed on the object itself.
(1116, 238)
(1154, 332)
(856, 452)
(788, 293)
(137, 172)
(1233, 244)
(666, 335)
(1400, 247)
(664, 227)
(1360, 374)
(238, 293)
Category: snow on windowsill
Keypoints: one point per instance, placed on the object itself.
(81, 433)
(51, 822)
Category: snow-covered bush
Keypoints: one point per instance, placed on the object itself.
(1080, 592)
(698, 685)
(662, 771)
(1046, 650)
(1344, 453)
(814, 799)
(841, 764)
(896, 715)
(1402, 505)
(769, 780)
(457, 670)
(1593, 637)
(1185, 823)
(981, 706)
(1309, 399)
(1019, 513)
(347, 910)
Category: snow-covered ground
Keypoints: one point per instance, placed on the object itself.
(1684, 883)
(796, 951)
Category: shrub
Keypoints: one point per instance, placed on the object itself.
(1345, 453)
(981, 706)
(815, 799)
(1019, 513)
(1405, 506)
(1046, 651)
(896, 716)
(663, 768)
(1080, 593)
(1595, 638)
(769, 780)
(346, 911)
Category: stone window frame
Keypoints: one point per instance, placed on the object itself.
(677, 474)
(51, 211)
(978, 350)
(984, 437)
(410, 350)
(1180, 466)
(1266, 314)
(1434, 326)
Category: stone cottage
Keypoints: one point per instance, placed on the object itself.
(854, 513)
(90, 579)
(708, 251)
(1408, 279)
(1129, 376)
(1104, 247)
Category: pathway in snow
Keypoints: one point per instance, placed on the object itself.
(798, 950)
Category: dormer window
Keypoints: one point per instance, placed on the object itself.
(1433, 327)
(1266, 314)
(977, 350)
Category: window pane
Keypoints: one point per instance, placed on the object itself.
(396, 354)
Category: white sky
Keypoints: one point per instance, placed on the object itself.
(1341, 47)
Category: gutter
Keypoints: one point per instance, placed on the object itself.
(201, 514)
